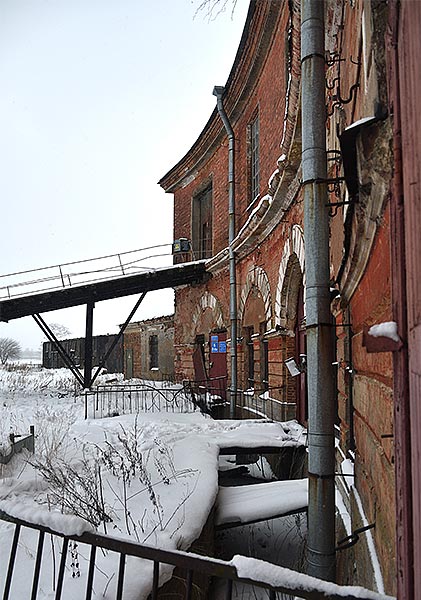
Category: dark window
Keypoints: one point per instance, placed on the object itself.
(254, 159)
(249, 357)
(153, 352)
(202, 224)
(264, 358)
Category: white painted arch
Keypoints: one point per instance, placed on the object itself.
(257, 278)
(208, 300)
(294, 247)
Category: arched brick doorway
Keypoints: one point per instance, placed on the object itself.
(290, 316)
(210, 349)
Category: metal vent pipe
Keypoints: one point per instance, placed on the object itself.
(218, 91)
(320, 376)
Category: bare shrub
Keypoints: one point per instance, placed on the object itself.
(9, 350)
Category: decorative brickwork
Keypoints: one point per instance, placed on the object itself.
(257, 278)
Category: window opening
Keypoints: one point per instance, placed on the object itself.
(249, 356)
(254, 158)
(264, 358)
(202, 224)
(153, 352)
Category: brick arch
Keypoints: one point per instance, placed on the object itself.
(291, 274)
(257, 278)
(209, 301)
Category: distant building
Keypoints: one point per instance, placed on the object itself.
(149, 349)
(75, 348)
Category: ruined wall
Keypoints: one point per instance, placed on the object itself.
(136, 340)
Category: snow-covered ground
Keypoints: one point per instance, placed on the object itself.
(149, 477)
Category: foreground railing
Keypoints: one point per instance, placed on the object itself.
(275, 580)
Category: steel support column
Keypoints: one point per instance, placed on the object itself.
(87, 372)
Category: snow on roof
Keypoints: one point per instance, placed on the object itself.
(261, 501)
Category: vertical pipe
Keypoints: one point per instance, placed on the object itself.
(87, 377)
(321, 510)
(218, 92)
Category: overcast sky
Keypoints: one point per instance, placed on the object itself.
(98, 100)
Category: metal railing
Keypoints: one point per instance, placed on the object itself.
(113, 400)
(65, 275)
(260, 402)
(190, 566)
(210, 396)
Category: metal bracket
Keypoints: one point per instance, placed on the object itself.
(351, 540)
(335, 206)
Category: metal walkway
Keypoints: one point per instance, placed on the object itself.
(29, 293)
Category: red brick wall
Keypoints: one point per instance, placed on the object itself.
(372, 403)
(268, 98)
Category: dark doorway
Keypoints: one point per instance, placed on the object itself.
(301, 349)
(200, 374)
(129, 363)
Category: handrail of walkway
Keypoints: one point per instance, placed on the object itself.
(64, 275)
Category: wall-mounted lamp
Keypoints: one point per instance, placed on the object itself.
(295, 369)
(292, 367)
(181, 245)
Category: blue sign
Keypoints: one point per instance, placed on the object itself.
(214, 344)
(222, 347)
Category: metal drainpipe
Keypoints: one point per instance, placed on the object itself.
(321, 446)
(218, 92)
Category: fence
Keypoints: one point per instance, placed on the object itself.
(255, 403)
(17, 445)
(210, 396)
(113, 400)
(278, 581)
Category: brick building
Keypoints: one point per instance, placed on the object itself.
(373, 186)
(149, 349)
(262, 100)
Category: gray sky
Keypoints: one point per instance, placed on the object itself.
(99, 99)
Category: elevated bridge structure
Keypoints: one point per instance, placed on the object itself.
(36, 291)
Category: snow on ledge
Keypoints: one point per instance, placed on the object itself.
(388, 329)
(35, 514)
(279, 577)
(248, 503)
